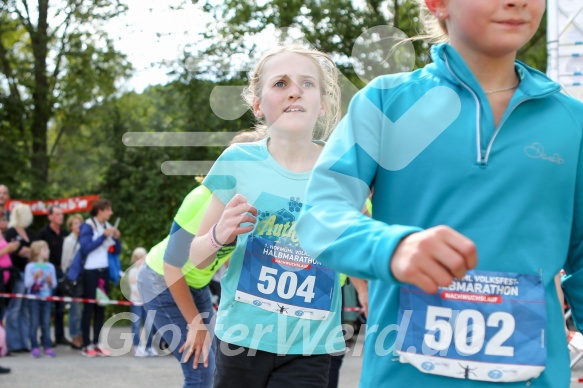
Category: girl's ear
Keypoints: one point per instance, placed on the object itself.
(257, 108)
(437, 8)
(322, 111)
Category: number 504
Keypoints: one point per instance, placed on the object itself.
(286, 284)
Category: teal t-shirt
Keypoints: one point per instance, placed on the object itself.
(275, 297)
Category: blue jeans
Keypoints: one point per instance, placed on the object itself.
(18, 319)
(40, 315)
(140, 311)
(74, 319)
(170, 322)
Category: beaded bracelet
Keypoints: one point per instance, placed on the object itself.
(212, 238)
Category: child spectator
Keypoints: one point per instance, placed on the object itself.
(40, 280)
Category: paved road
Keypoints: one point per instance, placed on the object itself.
(71, 370)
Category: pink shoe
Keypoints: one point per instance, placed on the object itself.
(35, 352)
(50, 353)
(102, 352)
(89, 352)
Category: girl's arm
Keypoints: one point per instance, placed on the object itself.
(28, 276)
(11, 247)
(332, 228)
(361, 287)
(228, 220)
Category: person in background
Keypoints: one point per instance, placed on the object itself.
(54, 234)
(70, 248)
(4, 213)
(173, 288)
(17, 315)
(40, 280)
(96, 235)
(6, 249)
(144, 350)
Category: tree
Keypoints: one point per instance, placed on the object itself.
(331, 25)
(55, 61)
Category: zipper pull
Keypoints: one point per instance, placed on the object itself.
(483, 159)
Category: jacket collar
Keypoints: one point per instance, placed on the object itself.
(453, 67)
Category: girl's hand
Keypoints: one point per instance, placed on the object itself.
(198, 342)
(433, 258)
(38, 274)
(109, 231)
(49, 280)
(236, 212)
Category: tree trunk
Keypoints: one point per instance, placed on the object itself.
(41, 99)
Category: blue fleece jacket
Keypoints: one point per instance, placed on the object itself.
(427, 143)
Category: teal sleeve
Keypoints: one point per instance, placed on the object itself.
(573, 279)
(332, 227)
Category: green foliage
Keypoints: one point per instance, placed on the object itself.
(145, 198)
(55, 62)
(332, 26)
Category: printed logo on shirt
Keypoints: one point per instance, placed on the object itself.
(537, 151)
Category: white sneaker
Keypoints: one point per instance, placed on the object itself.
(151, 352)
(141, 352)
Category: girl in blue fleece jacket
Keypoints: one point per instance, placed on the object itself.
(476, 165)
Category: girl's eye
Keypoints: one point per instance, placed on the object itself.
(308, 84)
(279, 84)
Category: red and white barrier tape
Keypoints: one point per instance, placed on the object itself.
(65, 299)
(87, 300)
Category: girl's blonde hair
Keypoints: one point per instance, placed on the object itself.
(20, 216)
(139, 253)
(329, 87)
(435, 29)
(35, 249)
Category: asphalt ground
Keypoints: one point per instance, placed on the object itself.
(71, 370)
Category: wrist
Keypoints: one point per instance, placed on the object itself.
(212, 238)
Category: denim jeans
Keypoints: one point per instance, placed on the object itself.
(18, 319)
(238, 366)
(140, 311)
(171, 324)
(74, 319)
(40, 315)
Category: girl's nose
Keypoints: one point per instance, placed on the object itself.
(295, 91)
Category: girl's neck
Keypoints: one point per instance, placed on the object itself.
(294, 154)
(491, 72)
